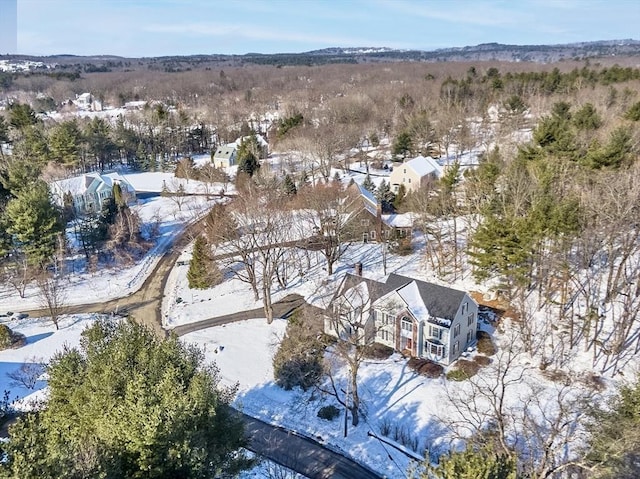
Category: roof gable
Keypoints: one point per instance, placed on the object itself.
(423, 166)
(440, 301)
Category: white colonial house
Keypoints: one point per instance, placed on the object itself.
(422, 319)
(414, 174)
(89, 191)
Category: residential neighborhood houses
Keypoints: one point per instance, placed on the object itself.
(318, 272)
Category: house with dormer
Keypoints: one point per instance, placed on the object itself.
(88, 192)
(225, 156)
(420, 319)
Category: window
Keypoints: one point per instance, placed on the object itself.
(470, 319)
(405, 171)
(373, 235)
(435, 332)
(456, 330)
(407, 324)
(409, 180)
(364, 222)
(456, 348)
(433, 349)
(383, 334)
(469, 336)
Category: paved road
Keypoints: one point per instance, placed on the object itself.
(301, 454)
(281, 309)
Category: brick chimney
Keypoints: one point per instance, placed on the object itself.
(358, 269)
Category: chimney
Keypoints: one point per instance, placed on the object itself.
(358, 269)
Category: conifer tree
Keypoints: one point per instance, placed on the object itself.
(128, 404)
(368, 184)
(614, 443)
(248, 155)
(289, 186)
(203, 272)
(34, 222)
(471, 464)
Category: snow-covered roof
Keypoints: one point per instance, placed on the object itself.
(424, 166)
(425, 301)
(404, 220)
(410, 294)
(78, 185)
(225, 151)
(370, 201)
(440, 301)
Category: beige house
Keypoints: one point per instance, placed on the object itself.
(225, 156)
(414, 174)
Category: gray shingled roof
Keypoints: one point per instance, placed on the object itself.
(376, 289)
(442, 302)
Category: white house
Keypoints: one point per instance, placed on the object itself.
(225, 156)
(86, 101)
(414, 173)
(89, 191)
(422, 319)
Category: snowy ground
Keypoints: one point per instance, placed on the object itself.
(392, 395)
(43, 341)
(160, 213)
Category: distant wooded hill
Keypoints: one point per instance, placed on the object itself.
(483, 52)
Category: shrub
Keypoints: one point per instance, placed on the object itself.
(425, 367)
(464, 369)
(402, 247)
(377, 351)
(5, 336)
(299, 359)
(9, 338)
(399, 433)
(485, 344)
(482, 360)
(328, 412)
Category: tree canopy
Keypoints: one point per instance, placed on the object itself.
(127, 404)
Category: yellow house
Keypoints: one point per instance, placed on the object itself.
(414, 174)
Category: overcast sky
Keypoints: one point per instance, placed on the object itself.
(136, 28)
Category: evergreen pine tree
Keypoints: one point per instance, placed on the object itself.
(399, 197)
(203, 271)
(614, 442)
(471, 464)
(368, 184)
(289, 186)
(248, 155)
(128, 404)
(34, 222)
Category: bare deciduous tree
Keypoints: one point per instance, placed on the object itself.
(51, 293)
